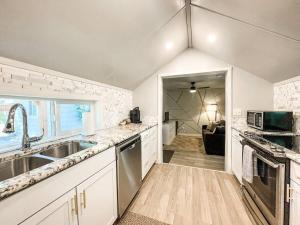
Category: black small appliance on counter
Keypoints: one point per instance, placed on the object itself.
(135, 115)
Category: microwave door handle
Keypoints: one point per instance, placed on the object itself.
(273, 165)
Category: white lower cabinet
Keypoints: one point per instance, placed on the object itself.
(237, 156)
(295, 203)
(93, 202)
(62, 212)
(85, 194)
(97, 198)
(149, 149)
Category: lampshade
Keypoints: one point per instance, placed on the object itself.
(212, 108)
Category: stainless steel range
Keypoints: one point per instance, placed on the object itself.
(267, 196)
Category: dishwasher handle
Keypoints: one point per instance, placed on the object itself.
(128, 145)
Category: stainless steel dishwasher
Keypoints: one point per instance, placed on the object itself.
(129, 171)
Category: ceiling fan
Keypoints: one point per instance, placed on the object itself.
(193, 88)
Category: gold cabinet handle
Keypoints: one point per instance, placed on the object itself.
(83, 199)
(74, 204)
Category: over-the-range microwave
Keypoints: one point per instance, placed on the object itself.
(270, 120)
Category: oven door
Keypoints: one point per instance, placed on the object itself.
(267, 188)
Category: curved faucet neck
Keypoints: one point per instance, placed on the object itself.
(10, 124)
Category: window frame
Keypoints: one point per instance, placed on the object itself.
(58, 131)
(44, 119)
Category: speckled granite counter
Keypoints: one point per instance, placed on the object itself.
(105, 139)
(295, 156)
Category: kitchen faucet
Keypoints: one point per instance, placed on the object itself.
(10, 126)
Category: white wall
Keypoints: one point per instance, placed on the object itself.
(189, 61)
(251, 92)
(190, 109)
(248, 90)
(145, 96)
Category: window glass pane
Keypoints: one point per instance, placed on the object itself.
(71, 116)
(34, 126)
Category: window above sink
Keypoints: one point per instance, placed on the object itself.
(58, 118)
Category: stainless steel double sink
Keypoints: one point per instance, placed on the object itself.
(15, 167)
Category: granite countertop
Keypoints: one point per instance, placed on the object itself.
(295, 156)
(105, 139)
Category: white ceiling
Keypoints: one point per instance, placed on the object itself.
(212, 80)
(118, 42)
(281, 16)
(122, 42)
(270, 55)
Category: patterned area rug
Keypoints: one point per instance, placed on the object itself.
(186, 143)
(136, 219)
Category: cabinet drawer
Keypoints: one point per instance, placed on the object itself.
(295, 172)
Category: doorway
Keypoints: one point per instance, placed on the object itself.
(194, 120)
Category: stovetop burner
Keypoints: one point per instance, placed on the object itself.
(269, 146)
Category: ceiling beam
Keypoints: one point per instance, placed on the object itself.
(188, 22)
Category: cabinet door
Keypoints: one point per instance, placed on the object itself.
(63, 211)
(295, 204)
(146, 146)
(149, 150)
(237, 158)
(97, 198)
(153, 149)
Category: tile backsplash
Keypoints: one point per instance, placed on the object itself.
(287, 98)
(287, 95)
(114, 102)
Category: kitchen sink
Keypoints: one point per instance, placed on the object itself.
(67, 148)
(15, 167)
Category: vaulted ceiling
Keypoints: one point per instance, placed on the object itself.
(122, 42)
(262, 37)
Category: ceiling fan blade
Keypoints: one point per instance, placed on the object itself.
(203, 87)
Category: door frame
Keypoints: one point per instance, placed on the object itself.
(228, 109)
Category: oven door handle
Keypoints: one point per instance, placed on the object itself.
(270, 163)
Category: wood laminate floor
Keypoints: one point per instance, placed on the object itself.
(189, 151)
(180, 195)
